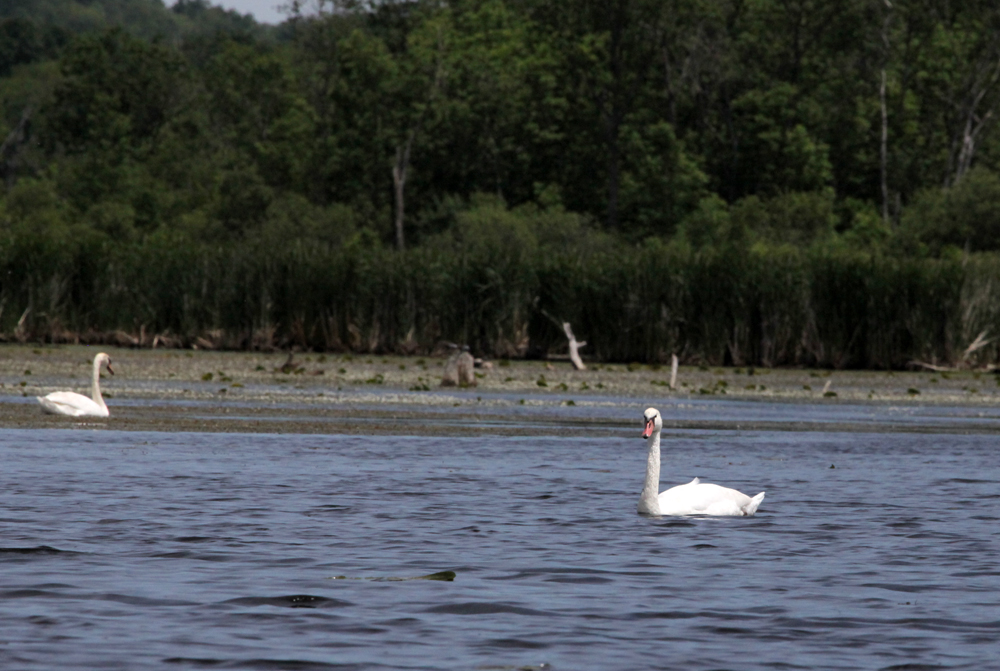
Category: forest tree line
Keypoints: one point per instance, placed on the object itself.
(766, 181)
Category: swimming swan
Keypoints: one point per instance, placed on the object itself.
(77, 405)
(694, 498)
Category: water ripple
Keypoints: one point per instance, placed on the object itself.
(218, 551)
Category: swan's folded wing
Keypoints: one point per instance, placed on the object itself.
(696, 498)
(69, 403)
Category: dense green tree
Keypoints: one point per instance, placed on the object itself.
(965, 216)
(117, 92)
(609, 51)
(954, 85)
(106, 115)
(483, 111)
(768, 120)
(775, 181)
(23, 41)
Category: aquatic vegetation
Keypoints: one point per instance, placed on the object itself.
(819, 308)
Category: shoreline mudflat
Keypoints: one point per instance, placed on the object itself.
(198, 390)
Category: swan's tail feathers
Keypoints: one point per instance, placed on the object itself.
(751, 507)
(48, 407)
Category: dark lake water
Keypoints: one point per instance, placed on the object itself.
(131, 550)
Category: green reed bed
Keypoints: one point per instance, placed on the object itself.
(504, 295)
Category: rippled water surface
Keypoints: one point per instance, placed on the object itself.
(186, 550)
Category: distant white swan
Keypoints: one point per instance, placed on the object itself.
(77, 405)
(694, 498)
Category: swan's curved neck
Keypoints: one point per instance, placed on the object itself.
(649, 501)
(95, 387)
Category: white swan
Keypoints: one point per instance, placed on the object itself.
(694, 498)
(77, 405)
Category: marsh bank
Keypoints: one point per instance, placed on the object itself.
(197, 390)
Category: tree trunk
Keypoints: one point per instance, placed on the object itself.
(614, 173)
(884, 151)
(974, 124)
(614, 115)
(668, 83)
(884, 145)
(968, 148)
(399, 185)
(974, 119)
(13, 139)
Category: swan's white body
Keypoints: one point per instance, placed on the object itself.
(694, 498)
(77, 405)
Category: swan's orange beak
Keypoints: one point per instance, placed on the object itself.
(108, 366)
(649, 428)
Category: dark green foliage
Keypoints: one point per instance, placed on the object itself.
(689, 177)
(965, 216)
(487, 282)
(117, 92)
(23, 41)
(149, 19)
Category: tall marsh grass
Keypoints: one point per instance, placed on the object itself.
(502, 287)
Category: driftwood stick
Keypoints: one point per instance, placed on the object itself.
(980, 342)
(574, 344)
(19, 330)
(673, 371)
(574, 347)
(933, 367)
(989, 368)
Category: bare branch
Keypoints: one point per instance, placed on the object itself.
(574, 347)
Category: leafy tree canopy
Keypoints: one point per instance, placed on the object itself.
(708, 123)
